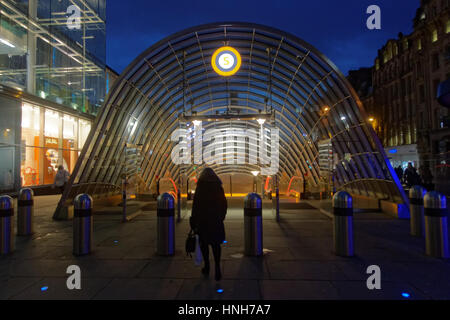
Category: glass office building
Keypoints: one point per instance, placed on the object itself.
(53, 81)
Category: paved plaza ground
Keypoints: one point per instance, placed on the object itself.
(298, 263)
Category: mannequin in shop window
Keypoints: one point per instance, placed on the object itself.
(61, 178)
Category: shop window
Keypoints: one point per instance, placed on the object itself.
(31, 160)
(84, 129)
(9, 123)
(70, 152)
(69, 127)
(52, 121)
(52, 145)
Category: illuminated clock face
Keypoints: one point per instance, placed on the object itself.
(226, 61)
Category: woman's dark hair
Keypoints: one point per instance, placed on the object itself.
(208, 175)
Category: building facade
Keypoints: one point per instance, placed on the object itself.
(403, 102)
(53, 81)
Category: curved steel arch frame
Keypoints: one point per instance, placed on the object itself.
(279, 73)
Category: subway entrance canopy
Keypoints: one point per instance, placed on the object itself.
(281, 78)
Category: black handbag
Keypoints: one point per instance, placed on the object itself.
(190, 243)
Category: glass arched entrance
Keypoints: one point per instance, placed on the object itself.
(284, 91)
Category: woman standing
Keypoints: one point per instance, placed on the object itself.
(208, 213)
(61, 178)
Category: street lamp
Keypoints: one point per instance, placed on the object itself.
(261, 121)
(255, 174)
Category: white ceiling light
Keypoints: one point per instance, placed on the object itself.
(9, 44)
(261, 121)
(255, 173)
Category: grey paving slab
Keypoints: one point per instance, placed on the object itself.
(140, 289)
(205, 289)
(245, 268)
(56, 289)
(9, 287)
(298, 290)
(357, 290)
(165, 268)
(305, 270)
(299, 262)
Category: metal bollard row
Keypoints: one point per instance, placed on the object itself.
(416, 196)
(165, 239)
(25, 213)
(82, 225)
(6, 225)
(343, 224)
(436, 230)
(253, 228)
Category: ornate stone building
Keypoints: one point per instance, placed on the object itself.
(403, 105)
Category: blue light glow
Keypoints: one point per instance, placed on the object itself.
(225, 241)
(44, 289)
(393, 151)
(405, 295)
(220, 291)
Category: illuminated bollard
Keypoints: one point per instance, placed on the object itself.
(6, 225)
(25, 212)
(436, 231)
(253, 228)
(165, 239)
(343, 224)
(82, 225)
(416, 195)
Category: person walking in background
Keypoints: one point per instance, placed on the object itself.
(426, 177)
(399, 171)
(208, 213)
(412, 178)
(61, 178)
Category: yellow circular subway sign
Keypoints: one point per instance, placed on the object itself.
(226, 61)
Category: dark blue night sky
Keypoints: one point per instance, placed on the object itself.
(337, 28)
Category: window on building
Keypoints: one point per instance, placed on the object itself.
(377, 64)
(434, 35)
(447, 29)
(405, 44)
(419, 44)
(435, 61)
(408, 86)
(49, 139)
(70, 132)
(31, 160)
(84, 129)
(436, 83)
(419, 70)
(52, 121)
(438, 119)
(422, 93)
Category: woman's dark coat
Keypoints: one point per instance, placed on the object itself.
(209, 208)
